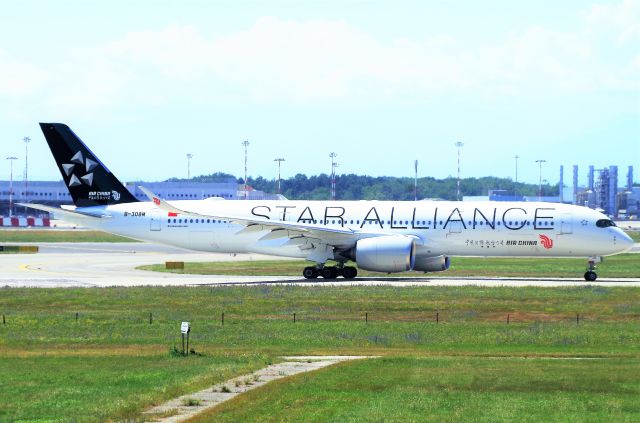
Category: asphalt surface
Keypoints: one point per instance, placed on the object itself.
(113, 264)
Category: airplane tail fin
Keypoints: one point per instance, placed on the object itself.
(90, 182)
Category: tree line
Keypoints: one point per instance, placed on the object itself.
(361, 187)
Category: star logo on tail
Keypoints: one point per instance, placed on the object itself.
(82, 164)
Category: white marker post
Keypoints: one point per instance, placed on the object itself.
(185, 328)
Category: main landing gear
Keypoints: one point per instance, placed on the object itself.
(330, 272)
(590, 275)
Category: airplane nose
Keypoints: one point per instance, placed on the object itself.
(624, 241)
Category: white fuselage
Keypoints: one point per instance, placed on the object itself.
(524, 229)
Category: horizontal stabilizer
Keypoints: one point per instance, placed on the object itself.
(74, 214)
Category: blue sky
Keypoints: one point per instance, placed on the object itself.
(379, 83)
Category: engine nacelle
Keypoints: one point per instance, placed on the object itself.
(386, 253)
(432, 264)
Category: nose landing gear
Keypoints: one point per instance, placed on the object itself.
(590, 275)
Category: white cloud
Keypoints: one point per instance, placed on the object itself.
(621, 21)
(19, 78)
(278, 60)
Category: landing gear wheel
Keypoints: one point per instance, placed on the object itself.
(329, 272)
(310, 272)
(349, 272)
(590, 276)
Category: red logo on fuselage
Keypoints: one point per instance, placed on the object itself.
(156, 201)
(546, 242)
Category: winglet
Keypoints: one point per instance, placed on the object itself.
(159, 202)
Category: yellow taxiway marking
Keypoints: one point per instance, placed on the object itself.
(30, 268)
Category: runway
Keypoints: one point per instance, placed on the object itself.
(113, 264)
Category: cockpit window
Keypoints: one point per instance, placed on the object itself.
(604, 223)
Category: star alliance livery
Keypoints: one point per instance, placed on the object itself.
(382, 236)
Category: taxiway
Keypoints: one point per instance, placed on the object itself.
(114, 264)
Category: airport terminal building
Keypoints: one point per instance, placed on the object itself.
(56, 193)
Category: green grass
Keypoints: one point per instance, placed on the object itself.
(436, 389)
(622, 265)
(635, 235)
(58, 235)
(111, 363)
(259, 319)
(99, 388)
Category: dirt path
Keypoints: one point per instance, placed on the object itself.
(186, 406)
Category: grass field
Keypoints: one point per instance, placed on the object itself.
(103, 387)
(111, 363)
(58, 235)
(436, 389)
(635, 235)
(622, 265)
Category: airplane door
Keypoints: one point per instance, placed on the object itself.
(566, 224)
(155, 220)
(455, 227)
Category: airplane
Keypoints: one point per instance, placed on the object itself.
(382, 236)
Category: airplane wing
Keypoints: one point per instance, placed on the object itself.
(308, 236)
(70, 213)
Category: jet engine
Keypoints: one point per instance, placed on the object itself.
(432, 264)
(392, 253)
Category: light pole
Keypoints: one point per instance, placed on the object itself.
(415, 182)
(279, 160)
(26, 140)
(11, 159)
(516, 185)
(333, 174)
(189, 157)
(458, 144)
(245, 143)
(540, 161)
